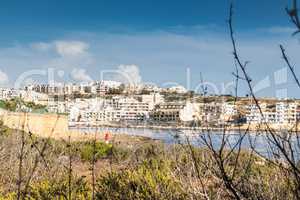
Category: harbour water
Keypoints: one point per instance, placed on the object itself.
(258, 141)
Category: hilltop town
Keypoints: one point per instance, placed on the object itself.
(112, 103)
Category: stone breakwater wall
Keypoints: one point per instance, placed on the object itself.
(43, 125)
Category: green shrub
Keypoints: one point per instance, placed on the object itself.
(100, 150)
(151, 180)
(12, 105)
(59, 189)
(4, 130)
(10, 196)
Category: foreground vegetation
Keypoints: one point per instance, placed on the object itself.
(130, 168)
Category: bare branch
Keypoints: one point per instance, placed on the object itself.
(294, 16)
(289, 65)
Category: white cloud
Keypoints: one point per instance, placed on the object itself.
(80, 75)
(162, 56)
(128, 74)
(3, 78)
(280, 29)
(41, 46)
(71, 48)
(60, 54)
(62, 47)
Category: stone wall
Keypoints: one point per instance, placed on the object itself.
(43, 125)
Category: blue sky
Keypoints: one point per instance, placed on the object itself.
(155, 41)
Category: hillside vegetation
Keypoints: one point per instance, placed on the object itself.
(17, 104)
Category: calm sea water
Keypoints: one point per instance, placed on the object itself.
(259, 142)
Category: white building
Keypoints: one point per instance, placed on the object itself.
(229, 109)
(286, 113)
(280, 113)
(57, 107)
(110, 110)
(178, 89)
(74, 115)
(9, 93)
(32, 96)
(253, 113)
(153, 99)
(130, 109)
(152, 88)
(189, 112)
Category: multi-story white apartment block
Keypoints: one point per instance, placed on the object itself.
(152, 99)
(253, 113)
(110, 110)
(269, 117)
(99, 87)
(210, 112)
(229, 112)
(279, 113)
(9, 93)
(229, 109)
(130, 109)
(286, 112)
(167, 112)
